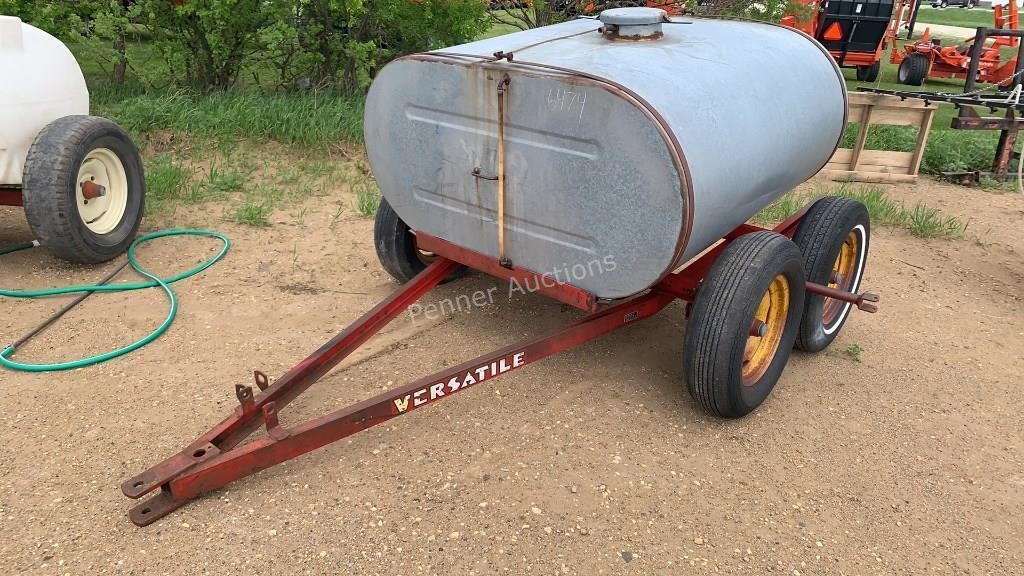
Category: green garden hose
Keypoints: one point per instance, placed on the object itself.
(163, 283)
(17, 247)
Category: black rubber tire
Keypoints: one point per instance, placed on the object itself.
(50, 189)
(868, 73)
(396, 247)
(913, 70)
(719, 323)
(820, 236)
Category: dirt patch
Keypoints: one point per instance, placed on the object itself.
(594, 461)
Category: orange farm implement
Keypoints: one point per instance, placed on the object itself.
(928, 58)
(855, 32)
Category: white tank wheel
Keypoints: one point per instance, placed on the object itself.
(84, 189)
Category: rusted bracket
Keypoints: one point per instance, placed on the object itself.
(244, 395)
(262, 382)
(274, 428)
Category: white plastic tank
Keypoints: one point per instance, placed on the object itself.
(630, 143)
(41, 82)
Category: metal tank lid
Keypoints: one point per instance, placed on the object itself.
(632, 23)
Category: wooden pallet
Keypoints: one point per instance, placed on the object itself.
(858, 164)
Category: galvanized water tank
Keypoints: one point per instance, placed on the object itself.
(630, 144)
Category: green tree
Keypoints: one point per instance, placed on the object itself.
(206, 42)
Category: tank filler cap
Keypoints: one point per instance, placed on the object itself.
(632, 23)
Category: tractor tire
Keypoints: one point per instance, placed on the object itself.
(396, 247)
(68, 155)
(758, 279)
(913, 70)
(868, 73)
(834, 237)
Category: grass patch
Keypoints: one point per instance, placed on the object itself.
(367, 198)
(926, 222)
(252, 212)
(221, 182)
(307, 119)
(920, 220)
(165, 179)
(954, 17)
(781, 209)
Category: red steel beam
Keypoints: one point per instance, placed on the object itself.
(544, 283)
(10, 197)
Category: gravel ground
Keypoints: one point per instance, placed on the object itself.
(905, 460)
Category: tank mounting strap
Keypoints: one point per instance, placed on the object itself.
(502, 91)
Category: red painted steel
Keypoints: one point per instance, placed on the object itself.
(10, 197)
(213, 460)
(245, 419)
(544, 283)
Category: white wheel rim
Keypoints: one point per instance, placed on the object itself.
(103, 214)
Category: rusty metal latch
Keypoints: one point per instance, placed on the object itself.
(476, 174)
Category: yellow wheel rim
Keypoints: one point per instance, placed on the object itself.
(842, 276)
(766, 330)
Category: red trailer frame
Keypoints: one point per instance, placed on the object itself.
(218, 457)
(10, 197)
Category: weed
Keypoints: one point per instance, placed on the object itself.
(165, 180)
(316, 169)
(367, 198)
(781, 209)
(221, 182)
(337, 214)
(921, 220)
(853, 352)
(925, 222)
(288, 175)
(880, 208)
(251, 213)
